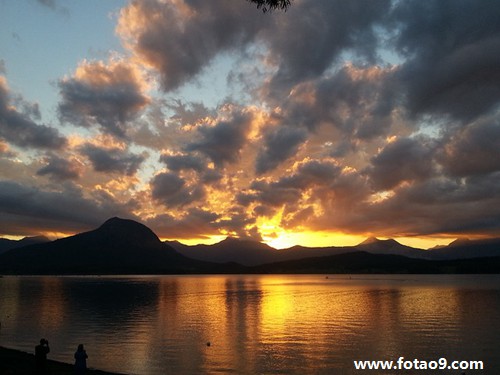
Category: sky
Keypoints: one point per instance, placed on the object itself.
(322, 125)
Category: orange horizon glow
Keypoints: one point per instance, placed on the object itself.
(284, 239)
(287, 240)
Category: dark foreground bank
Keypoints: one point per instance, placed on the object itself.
(15, 362)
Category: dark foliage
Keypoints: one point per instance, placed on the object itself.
(267, 5)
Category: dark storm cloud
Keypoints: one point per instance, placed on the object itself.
(434, 205)
(448, 191)
(310, 173)
(223, 141)
(180, 162)
(59, 169)
(406, 159)
(174, 191)
(341, 148)
(179, 39)
(112, 159)
(19, 128)
(109, 96)
(473, 150)
(289, 189)
(452, 56)
(327, 184)
(188, 162)
(211, 176)
(438, 205)
(195, 222)
(264, 211)
(358, 101)
(269, 194)
(315, 33)
(279, 145)
(25, 209)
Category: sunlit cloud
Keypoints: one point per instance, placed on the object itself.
(60, 169)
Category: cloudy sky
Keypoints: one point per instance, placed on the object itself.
(321, 125)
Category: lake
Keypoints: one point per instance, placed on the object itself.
(272, 324)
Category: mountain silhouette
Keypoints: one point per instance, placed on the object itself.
(245, 252)
(461, 242)
(117, 246)
(127, 230)
(468, 249)
(370, 240)
(373, 245)
(121, 246)
(6, 245)
(253, 253)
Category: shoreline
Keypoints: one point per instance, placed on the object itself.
(17, 362)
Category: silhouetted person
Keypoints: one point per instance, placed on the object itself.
(80, 360)
(41, 352)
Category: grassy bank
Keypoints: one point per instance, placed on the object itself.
(15, 362)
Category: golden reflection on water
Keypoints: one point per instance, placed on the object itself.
(258, 324)
(250, 324)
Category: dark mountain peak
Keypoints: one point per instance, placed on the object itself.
(233, 241)
(295, 248)
(376, 241)
(461, 242)
(118, 222)
(118, 246)
(243, 243)
(6, 245)
(127, 231)
(230, 240)
(391, 242)
(174, 243)
(33, 240)
(370, 240)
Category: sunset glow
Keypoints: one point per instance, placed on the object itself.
(319, 126)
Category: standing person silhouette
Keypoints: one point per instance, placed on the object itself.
(80, 360)
(41, 352)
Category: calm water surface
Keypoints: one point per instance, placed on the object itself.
(255, 324)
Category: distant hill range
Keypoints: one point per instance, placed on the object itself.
(122, 246)
(250, 253)
(6, 245)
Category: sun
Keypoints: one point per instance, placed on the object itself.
(284, 239)
(274, 235)
(281, 241)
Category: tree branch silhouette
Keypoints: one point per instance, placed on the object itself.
(267, 5)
